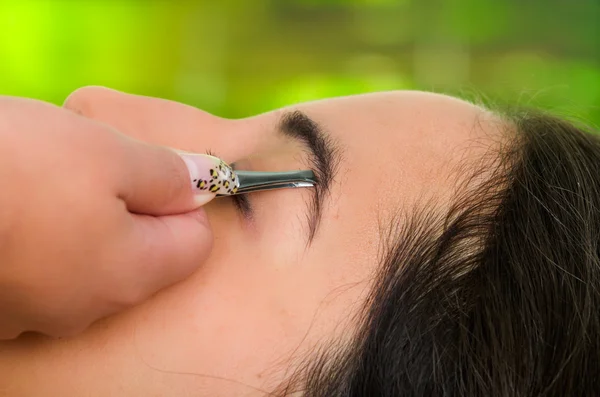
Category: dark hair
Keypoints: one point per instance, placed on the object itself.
(499, 297)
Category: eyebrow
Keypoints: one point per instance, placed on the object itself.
(324, 157)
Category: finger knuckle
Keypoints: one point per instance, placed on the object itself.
(82, 100)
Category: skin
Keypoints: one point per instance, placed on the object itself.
(82, 238)
(264, 299)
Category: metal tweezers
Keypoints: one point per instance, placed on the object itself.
(254, 181)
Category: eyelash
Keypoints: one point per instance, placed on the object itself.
(240, 201)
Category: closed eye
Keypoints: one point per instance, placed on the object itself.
(242, 202)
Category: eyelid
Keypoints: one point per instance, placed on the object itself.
(243, 205)
(242, 201)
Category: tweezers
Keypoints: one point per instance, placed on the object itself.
(255, 181)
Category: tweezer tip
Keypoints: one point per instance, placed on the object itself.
(252, 181)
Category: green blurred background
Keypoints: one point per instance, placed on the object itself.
(236, 58)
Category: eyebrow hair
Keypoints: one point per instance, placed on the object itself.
(323, 155)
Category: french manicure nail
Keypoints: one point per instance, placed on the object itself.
(209, 176)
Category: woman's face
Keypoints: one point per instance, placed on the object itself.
(289, 271)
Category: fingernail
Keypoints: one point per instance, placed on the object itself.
(210, 176)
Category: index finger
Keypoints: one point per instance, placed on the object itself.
(158, 121)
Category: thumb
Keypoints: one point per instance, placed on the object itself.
(161, 181)
(161, 251)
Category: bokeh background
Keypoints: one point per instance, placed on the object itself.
(236, 58)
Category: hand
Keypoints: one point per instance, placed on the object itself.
(91, 221)
(153, 120)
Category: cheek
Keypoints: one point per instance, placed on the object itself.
(263, 292)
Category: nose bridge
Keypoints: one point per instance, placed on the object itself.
(206, 133)
(236, 139)
(228, 139)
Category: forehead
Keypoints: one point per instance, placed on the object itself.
(399, 118)
(405, 144)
